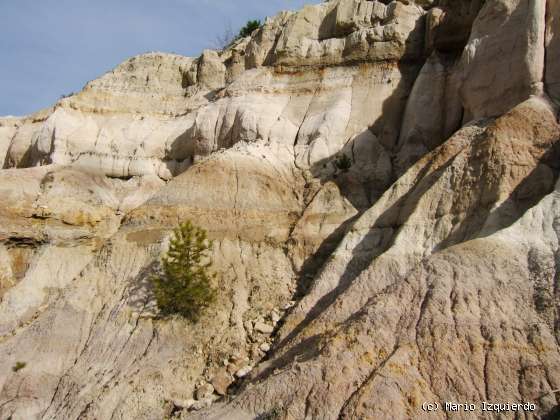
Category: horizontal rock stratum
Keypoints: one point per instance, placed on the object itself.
(424, 270)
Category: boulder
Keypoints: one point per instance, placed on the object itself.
(351, 15)
(263, 328)
(244, 371)
(184, 404)
(204, 391)
(221, 381)
(265, 347)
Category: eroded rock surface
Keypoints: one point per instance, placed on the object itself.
(503, 62)
(380, 183)
(552, 71)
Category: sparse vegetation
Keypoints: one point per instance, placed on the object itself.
(249, 27)
(18, 366)
(66, 95)
(273, 414)
(229, 37)
(343, 162)
(184, 285)
(225, 39)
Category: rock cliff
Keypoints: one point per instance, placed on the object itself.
(425, 270)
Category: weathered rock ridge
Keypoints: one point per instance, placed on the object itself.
(426, 271)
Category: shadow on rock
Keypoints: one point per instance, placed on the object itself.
(141, 296)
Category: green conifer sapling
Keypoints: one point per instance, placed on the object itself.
(185, 285)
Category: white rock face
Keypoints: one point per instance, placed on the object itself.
(8, 129)
(114, 145)
(385, 173)
(503, 62)
(349, 30)
(121, 125)
(118, 127)
(152, 83)
(433, 111)
(389, 328)
(211, 72)
(552, 73)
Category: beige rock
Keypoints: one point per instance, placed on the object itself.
(387, 356)
(552, 70)
(211, 70)
(20, 152)
(248, 325)
(432, 114)
(275, 317)
(117, 277)
(236, 64)
(434, 18)
(142, 119)
(8, 128)
(263, 327)
(423, 272)
(7, 276)
(201, 404)
(289, 305)
(265, 347)
(260, 47)
(241, 373)
(101, 129)
(316, 230)
(152, 84)
(221, 381)
(49, 240)
(124, 146)
(448, 26)
(351, 15)
(204, 391)
(184, 404)
(350, 30)
(255, 352)
(232, 368)
(503, 62)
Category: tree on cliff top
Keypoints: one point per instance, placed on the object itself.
(229, 37)
(249, 27)
(185, 285)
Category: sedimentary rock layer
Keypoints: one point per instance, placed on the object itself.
(380, 183)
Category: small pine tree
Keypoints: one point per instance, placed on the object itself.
(249, 27)
(185, 285)
(343, 162)
(18, 366)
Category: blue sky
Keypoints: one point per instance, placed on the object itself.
(53, 47)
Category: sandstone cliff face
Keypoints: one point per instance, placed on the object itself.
(552, 72)
(426, 271)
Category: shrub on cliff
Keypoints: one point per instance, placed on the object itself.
(228, 37)
(184, 287)
(18, 366)
(249, 27)
(343, 162)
